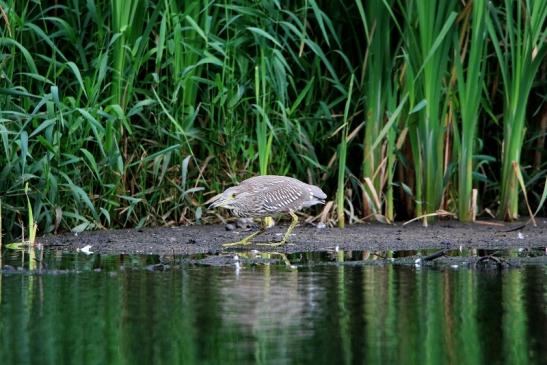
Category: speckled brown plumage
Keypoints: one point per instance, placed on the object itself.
(269, 195)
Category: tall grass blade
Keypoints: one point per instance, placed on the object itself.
(469, 84)
(428, 37)
(342, 157)
(378, 69)
(518, 36)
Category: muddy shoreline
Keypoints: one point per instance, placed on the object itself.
(208, 239)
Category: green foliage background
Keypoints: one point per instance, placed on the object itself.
(131, 113)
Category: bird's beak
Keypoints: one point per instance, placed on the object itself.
(215, 201)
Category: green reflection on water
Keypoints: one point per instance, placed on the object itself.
(381, 314)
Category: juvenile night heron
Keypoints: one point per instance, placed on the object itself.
(264, 196)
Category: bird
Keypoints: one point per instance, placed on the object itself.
(266, 196)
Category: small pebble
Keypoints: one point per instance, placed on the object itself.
(86, 250)
(244, 222)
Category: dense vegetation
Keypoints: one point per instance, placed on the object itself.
(131, 113)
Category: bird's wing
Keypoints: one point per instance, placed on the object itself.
(277, 197)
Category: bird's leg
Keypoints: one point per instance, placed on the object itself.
(294, 222)
(268, 222)
(283, 257)
(246, 240)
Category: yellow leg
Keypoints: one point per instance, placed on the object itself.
(246, 240)
(268, 222)
(294, 222)
(283, 257)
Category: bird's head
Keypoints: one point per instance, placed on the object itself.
(224, 199)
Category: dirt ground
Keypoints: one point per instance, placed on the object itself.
(190, 240)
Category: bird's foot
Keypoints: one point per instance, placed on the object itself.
(275, 244)
(238, 243)
(282, 256)
(245, 241)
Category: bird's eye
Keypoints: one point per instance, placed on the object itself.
(233, 195)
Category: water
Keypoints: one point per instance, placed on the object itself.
(111, 310)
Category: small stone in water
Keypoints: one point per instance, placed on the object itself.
(321, 225)
(86, 249)
(8, 268)
(230, 227)
(157, 267)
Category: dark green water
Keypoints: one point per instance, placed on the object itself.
(381, 314)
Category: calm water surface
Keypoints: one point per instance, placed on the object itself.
(321, 314)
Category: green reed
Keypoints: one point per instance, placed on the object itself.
(518, 37)
(469, 86)
(377, 71)
(342, 158)
(127, 20)
(427, 39)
